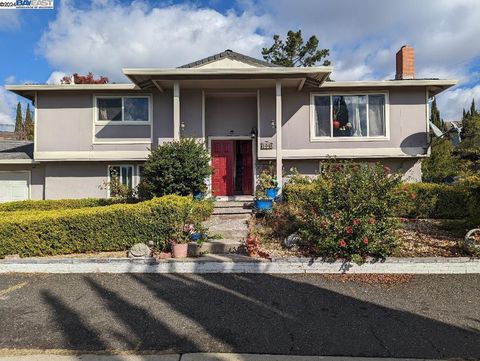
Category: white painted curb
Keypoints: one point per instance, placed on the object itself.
(460, 265)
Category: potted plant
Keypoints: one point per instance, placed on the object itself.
(182, 235)
(269, 184)
(262, 201)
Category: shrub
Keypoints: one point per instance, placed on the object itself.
(348, 212)
(109, 228)
(431, 200)
(179, 167)
(47, 205)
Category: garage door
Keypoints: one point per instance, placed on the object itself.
(14, 186)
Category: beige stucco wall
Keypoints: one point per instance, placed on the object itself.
(407, 114)
(37, 177)
(226, 114)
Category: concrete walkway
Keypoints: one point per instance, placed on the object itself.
(193, 357)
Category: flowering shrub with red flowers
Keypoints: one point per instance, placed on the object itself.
(350, 211)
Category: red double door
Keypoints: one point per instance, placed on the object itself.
(232, 167)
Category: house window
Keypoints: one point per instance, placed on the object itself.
(119, 175)
(123, 109)
(350, 116)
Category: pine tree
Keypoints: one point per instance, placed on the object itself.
(29, 127)
(435, 117)
(19, 129)
(469, 148)
(473, 111)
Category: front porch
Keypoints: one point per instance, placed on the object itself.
(236, 112)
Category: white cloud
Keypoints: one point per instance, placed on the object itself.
(7, 104)
(10, 79)
(104, 39)
(453, 101)
(56, 77)
(9, 19)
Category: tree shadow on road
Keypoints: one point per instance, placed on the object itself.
(248, 313)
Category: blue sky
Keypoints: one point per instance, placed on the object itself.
(103, 36)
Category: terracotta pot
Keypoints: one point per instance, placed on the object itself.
(179, 250)
(336, 124)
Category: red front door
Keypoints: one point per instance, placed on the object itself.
(222, 163)
(247, 166)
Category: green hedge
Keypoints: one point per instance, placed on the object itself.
(109, 228)
(432, 200)
(422, 200)
(49, 205)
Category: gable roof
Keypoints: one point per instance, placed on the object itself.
(16, 149)
(229, 54)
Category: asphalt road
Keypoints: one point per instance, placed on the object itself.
(429, 317)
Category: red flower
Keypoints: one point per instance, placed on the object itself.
(342, 243)
(386, 169)
(365, 240)
(413, 196)
(349, 230)
(372, 220)
(356, 222)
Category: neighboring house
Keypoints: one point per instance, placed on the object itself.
(248, 112)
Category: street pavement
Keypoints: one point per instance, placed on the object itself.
(432, 316)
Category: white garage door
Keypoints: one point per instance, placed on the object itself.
(14, 186)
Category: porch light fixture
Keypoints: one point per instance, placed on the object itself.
(253, 133)
(272, 122)
(182, 126)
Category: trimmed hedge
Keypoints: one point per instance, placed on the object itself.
(48, 205)
(110, 228)
(422, 200)
(432, 200)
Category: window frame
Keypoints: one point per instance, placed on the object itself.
(110, 178)
(97, 121)
(331, 138)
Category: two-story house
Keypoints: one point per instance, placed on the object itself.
(248, 112)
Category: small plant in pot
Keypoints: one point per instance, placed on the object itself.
(182, 234)
(263, 203)
(269, 184)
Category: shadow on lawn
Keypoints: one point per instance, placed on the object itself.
(248, 313)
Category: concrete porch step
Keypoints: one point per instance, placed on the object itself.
(217, 246)
(233, 204)
(228, 211)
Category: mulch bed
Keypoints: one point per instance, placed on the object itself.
(372, 279)
(417, 238)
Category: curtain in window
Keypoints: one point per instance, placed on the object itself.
(376, 115)
(357, 110)
(322, 112)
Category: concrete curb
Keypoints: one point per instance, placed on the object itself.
(240, 264)
(194, 357)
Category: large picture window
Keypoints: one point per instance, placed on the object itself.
(123, 109)
(350, 116)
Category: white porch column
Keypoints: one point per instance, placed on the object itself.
(176, 111)
(278, 124)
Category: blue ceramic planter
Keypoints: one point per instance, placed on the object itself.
(271, 193)
(195, 236)
(198, 196)
(263, 204)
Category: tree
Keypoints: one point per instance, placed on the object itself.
(179, 167)
(469, 148)
(19, 129)
(442, 163)
(436, 119)
(84, 79)
(294, 52)
(29, 127)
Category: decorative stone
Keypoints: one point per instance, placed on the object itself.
(139, 250)
(472, 242)
(292, 240)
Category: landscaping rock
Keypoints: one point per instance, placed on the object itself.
(139, 250)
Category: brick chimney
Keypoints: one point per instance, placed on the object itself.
(405, 63)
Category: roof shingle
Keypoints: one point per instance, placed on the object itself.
(16, 149)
